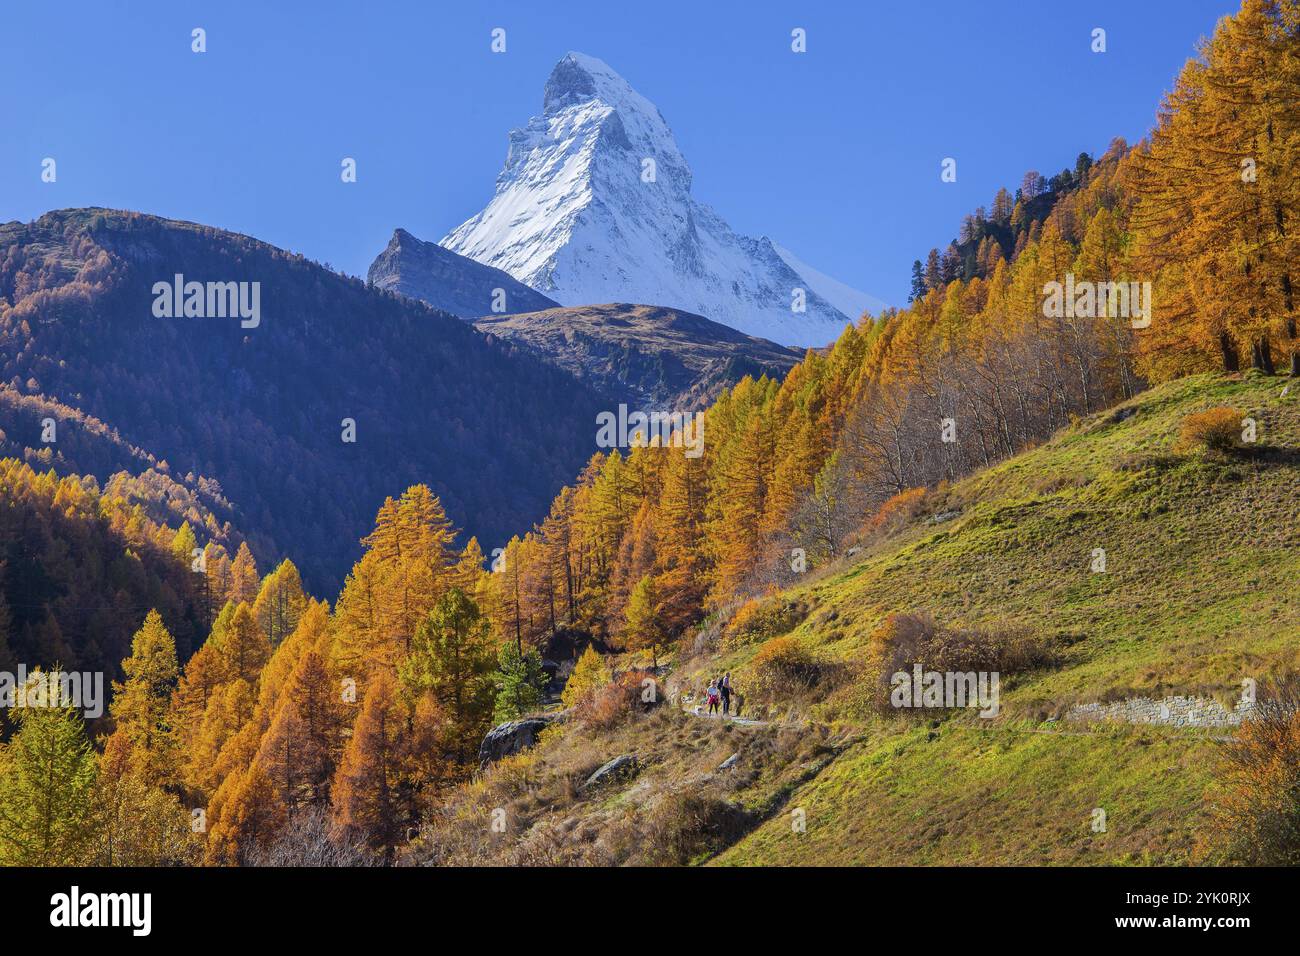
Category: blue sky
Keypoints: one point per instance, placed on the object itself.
(834, 153)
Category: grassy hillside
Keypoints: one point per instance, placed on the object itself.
(1201, 562)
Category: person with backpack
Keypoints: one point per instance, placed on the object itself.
(724, 688)
(713, 696)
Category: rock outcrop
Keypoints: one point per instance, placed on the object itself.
(619, 768)
(510, 738)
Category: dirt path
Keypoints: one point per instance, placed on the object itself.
(698, 710)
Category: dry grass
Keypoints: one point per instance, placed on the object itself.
(678, 809)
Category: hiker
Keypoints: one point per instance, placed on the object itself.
(724, 688)
(713, 697)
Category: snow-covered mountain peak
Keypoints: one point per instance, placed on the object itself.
(594, 205)
(583, 89)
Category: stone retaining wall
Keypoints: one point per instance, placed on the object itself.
(1171, 711)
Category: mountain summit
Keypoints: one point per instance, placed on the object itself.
(594, 205)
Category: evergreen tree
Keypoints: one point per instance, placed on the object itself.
(520, 681)
(451, 657)
(933, 271)
(918, 282)
(47, 775)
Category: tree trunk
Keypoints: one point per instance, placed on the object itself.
(1230, 361)
(1261, 357)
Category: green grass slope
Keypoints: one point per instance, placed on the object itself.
(1202, 564)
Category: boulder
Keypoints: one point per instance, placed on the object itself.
(622, 766)
(510, 738)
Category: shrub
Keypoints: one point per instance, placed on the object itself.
(588, 674)
(1215, 429)
(610, 704)
(782, 666)
(759, 619)
(905, 640)
(687, 824)
(1255, 815)
(897, 511)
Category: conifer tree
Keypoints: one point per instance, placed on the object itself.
(183, 544)
(251, 815)
(280, 602)
(141, 707)
(301, 746)
(644, 630)
(136, 822)
(365, 797)
(520, 683)
(469, 567)
(228, 710)
(243, 576)
(47, 775)
(452, 658)
(243, 647)
(588, 674)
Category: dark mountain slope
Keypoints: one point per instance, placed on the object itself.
(449, 281)
(644, 355)
(86, 446)
(494, 431)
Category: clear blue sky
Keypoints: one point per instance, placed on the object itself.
(834, 153)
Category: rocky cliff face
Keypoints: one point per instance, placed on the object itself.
(594, 204)
(451, 282)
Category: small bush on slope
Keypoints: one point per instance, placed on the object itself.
(1215, 429)
(905, 640)
(588, 674)
(781, 669)
(1256, 811)
(610, 704)
(761, 618)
